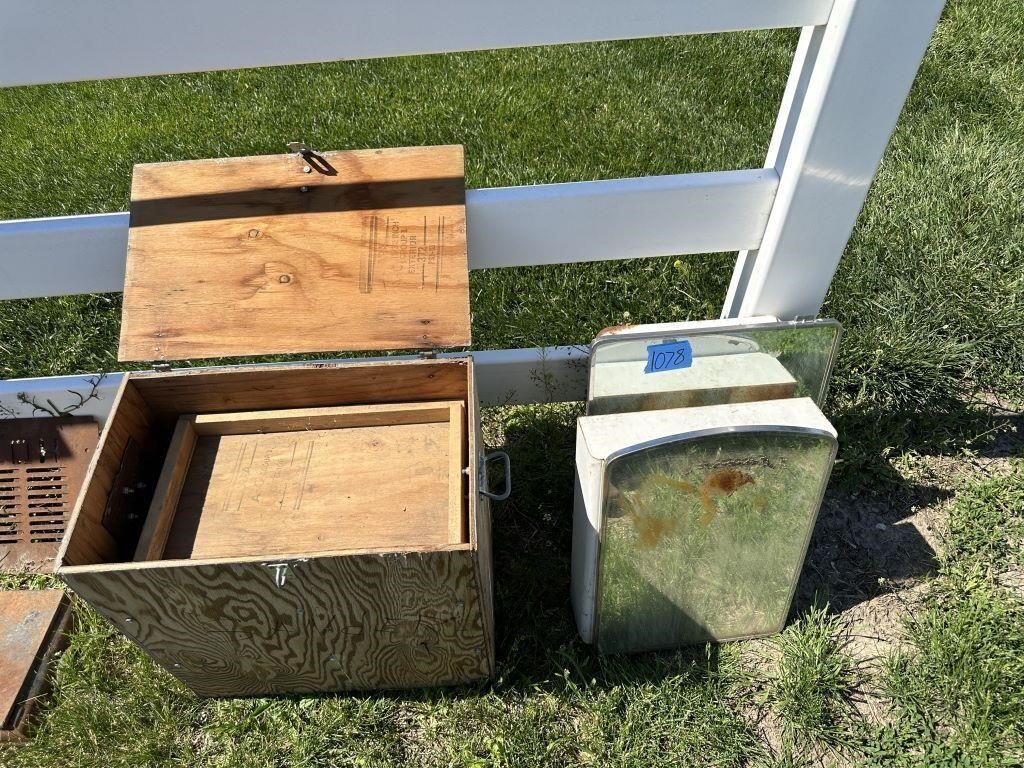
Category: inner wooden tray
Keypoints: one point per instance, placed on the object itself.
(296, 481)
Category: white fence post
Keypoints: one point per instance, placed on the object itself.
(846, 90)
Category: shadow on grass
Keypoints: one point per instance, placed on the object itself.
(863, 535)
(869, 534)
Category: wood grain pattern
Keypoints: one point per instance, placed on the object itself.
(308, 385)
(337, 623)
(457, 446)
(168, 490)
(311, 491)
(245, 256)
(87, 541)
(354, 620)
(336, 417)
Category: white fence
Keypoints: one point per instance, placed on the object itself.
(790, 220)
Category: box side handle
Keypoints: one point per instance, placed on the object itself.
(508, 476)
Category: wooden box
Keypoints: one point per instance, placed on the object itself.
(306, 527)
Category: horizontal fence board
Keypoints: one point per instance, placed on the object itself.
(63, 255)
(48, 41)
(619, 219)
(504, 377)
(513, 226)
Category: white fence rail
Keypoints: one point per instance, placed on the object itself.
(790, 221)
(507, 227)
(49, 41)
(503, 376)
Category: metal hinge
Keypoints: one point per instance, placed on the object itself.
(428, 354)
(162, 367)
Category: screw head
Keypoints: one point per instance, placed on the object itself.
(303, 189)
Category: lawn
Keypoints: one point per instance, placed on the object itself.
(906, 642)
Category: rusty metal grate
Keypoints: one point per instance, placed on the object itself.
(42, 465)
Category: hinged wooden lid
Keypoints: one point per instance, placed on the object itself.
(291, 253)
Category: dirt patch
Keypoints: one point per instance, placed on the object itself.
(870, 558)
(867, 547)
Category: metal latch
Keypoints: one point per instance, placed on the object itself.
(300, 148)
(312, 158)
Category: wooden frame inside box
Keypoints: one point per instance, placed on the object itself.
(283, 529)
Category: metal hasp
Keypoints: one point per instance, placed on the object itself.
(32, 626)
(42, 464)
(299, 148)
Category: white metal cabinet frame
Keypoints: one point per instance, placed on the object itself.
(790, 221)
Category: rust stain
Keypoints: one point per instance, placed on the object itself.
(27, 618)
(727, 481)
(652, 529)
(612, 330)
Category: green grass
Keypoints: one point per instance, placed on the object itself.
(958, 692)
(930, 290)
(814, 682)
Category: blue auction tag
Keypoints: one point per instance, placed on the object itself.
(669, 356)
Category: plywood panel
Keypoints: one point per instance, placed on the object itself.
(309, 491)
(127, 433)
(334, 623)
(282, 253)
(301, 386)
(168, 490)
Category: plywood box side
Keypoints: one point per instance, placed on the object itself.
(327, 623)
(87, 540)
(147, 565)
(312, 385)
(479, 509)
